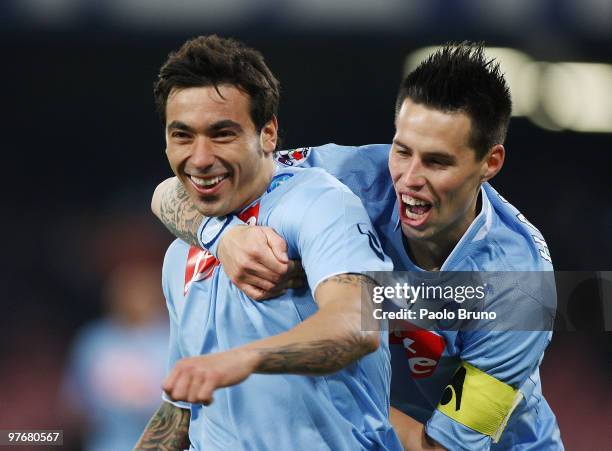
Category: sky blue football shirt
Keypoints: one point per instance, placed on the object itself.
(326, 226)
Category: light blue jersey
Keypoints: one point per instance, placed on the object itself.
(424, 362)
(326, 226)
(114, 377)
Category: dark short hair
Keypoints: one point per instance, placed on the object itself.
(213, 61)
(459, 78)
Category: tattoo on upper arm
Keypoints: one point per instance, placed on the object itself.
(351, 279)
(168, 430)
(179, 215)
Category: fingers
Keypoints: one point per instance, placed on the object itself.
(277, 244)
(177, 385)
(259, 289)
(255, 293)
(269, 249)
(258, 294)
(202, 388)
(257, 274)
(272, 294)
(205, 391)
(191, 385)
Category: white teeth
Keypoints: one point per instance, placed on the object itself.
(412, 201)
(411, 215)
(207, 182)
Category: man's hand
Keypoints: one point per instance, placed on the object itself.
(194, 379)
(324, 343)
(411, 433)
(254, 258)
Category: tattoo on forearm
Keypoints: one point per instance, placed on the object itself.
(168, 430)
(314, 358)
(179, 215)
(321, 356)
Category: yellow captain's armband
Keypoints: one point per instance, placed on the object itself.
(479, 401)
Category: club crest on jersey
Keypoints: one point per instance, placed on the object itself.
(200, 266)
(424, 348)
(292, 157)
(277, 181)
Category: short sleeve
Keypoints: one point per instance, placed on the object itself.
(333, 234)
(212, 229)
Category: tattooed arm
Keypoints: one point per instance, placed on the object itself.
(334, 337)
(172, 206)
(168, 430)
(254, 258)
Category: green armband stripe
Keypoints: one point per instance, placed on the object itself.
(479, 401)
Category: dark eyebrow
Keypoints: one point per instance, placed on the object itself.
(445, 157)
(178, 125)
(220, 125)
(225, 123)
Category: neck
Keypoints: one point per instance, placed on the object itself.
(260, 185)
(431, 253)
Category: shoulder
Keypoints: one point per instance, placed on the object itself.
(511, 242)
(309, 199)
(307, 183)
(331, 154)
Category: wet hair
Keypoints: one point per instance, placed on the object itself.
(213, 61)
(459, 78)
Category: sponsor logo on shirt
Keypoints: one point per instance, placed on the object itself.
(424, 348)
(200, 265)
(292, 157)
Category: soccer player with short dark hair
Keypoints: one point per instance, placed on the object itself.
(429, 198)
(218, 101)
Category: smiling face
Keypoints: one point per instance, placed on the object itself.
(436, 174)
(215, 150)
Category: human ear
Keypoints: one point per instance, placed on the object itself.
(268, 137)
(492, 162)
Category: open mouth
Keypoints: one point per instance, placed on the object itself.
(206, 185)
(415, 209)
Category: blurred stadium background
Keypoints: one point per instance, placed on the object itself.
(85, 150)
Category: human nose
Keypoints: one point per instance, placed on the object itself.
(203, 153)
(413, 175)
